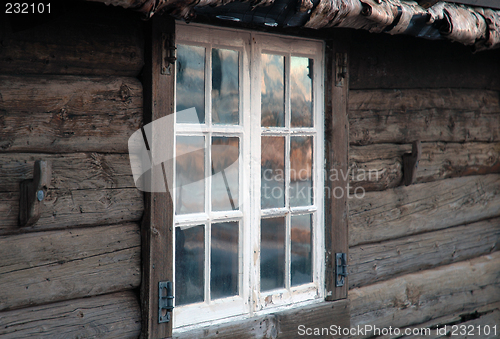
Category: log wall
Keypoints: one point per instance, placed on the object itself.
(423, 255)
(70, 94)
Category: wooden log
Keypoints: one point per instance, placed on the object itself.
(82, 40)
(372, 263)
(283, 324)
(449, 319)
(403, 116)
(71, 208)
(43, 267)
(73, 171)
(379, 166)
(114, 315)
(404, 211)
(373, 175)
(57, 114)
(464, 329)
(375, 64)
(429, 329)
(419, 297)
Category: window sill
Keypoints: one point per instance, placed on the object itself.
(280, 324)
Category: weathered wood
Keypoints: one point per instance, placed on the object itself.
(382, 261)
(55, 114)
(378, 167)
(83, 40)
(284, 324)
(449, 319)
(336, 159)
(157, 224)
(70, 208)
(43, 267)
(383, 61)
(410, 163)
(471, 328)
(33, 191)
(73, 171)
(110, 316)
(404, 211)
(415, 298)
(403, 116)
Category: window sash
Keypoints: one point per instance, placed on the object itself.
(187, 316)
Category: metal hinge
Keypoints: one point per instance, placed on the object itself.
(340, 68)
(167, 53)
(165, 301)
(340, 269)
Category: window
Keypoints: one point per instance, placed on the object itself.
(249, 216)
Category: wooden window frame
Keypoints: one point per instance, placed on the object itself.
(157, 227)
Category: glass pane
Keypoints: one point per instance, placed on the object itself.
(301, 257)
(225, 87)
(225, 173)
(301, 191)
(189, 265)
(301, 75)
(273, 90)
(224, 256)
(272, 192)
(190, 174)
(272, 253)
(190, 85)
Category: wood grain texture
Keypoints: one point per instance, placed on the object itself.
(71, 208)
(77, 38)
(379, 167)
(157, 224)
(372, 263)
(403, 211)
(109, 316)
(419, 297)
(282, 324)
(72, 171)
(402, 116)
(336, 159)
(484, 315)
(57, 114)
(470, 328)
(43, 267)
(389, 61)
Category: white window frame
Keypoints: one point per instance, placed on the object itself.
(250, 300)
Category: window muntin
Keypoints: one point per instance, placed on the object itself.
(255, 250)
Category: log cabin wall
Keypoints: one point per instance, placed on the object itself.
(420, 255)
(424, 255)
(69, 94)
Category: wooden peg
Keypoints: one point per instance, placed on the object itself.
(410, 163)
(33, 192)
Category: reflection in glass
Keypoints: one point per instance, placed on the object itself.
(190, 174)
(301, 258)
(225, 173)
(272, 192)
(189, 265)
(301, 171)
(224, 260)
(225, 87)
(273, 91)
(272, 253)
(190, 84)
(301, 74)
